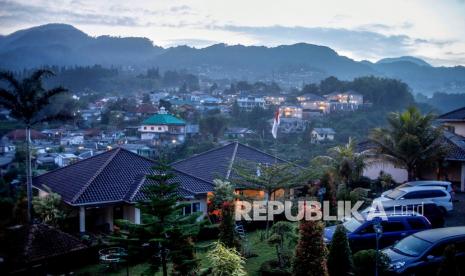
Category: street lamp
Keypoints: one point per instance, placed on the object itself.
(378, 231)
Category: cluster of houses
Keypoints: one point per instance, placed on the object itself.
(106, 186)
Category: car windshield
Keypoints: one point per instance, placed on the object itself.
(406, 185)
(412, 246)
(352, 224)
(395, 194)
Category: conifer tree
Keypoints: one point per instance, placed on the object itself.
(340, 261)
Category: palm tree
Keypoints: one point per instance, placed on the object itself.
(410, 140)
(344, 162)
(27, 101)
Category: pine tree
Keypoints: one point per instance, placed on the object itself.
(164, 227)
(310, 255)
(340, 256)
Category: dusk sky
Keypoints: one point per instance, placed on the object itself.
(361, 29)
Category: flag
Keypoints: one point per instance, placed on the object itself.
(274, 130)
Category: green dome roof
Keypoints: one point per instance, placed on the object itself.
(163, 119)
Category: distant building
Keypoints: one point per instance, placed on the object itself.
(322, 134)
(291, 111)
(314, 103)
(291, 125)
(76, 139)
(65, 159)
(251, 102)
(274, 100)
(145, 109)
(237, 132)
(163, 128)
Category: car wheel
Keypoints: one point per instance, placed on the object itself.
(443, 211)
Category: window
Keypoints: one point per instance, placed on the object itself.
(145, 128)
(392, 226)
(151, 128)
(416, 223)
(159, 128)
(196, 207)
(187, 209)
(414, 195)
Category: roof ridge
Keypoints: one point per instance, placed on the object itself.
(233, 158)
(97, 173)
(202, 153)
(260, 151)
(141, 182)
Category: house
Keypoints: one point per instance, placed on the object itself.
(19, 135)
(237, 132)
(219, 163)
(145, 109)
(322, 134)
(291, 111)
(72, 140)
(349, 97)
(314, 103)
(454, 121)
(106, 187)
(163, 128)
(453, 168)
(344, 101)
(290, 125)
(251, 102)
(274, 100)
(6, 146)
(36, 248)
(65, 159)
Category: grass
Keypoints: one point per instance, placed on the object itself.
(261, 250)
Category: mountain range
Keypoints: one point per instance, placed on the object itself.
(65, 45)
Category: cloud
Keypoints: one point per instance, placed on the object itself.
(359, 43)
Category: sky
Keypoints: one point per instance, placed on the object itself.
(360, 29)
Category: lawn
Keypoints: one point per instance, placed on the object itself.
(261, 249)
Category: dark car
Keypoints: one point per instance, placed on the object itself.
(427, 208)
(422, 252)
(361, 233)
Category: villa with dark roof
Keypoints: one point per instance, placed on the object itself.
(106, 186)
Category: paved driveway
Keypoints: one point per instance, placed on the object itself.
(457, 217)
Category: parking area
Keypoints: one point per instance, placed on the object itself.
(457, 217)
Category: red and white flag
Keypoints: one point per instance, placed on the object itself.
(274, 130)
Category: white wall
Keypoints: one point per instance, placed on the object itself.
(374, 168)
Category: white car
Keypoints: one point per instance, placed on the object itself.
(436, 194)
(428, 183)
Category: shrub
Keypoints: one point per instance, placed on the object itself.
(340, 256)
(365, 261)
(226, 261)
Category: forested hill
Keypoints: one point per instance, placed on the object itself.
(64, 45)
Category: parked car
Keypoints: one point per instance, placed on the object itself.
(361, 233)
(429, 183)
(438, 195)
(422, 252)
(427, 208)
